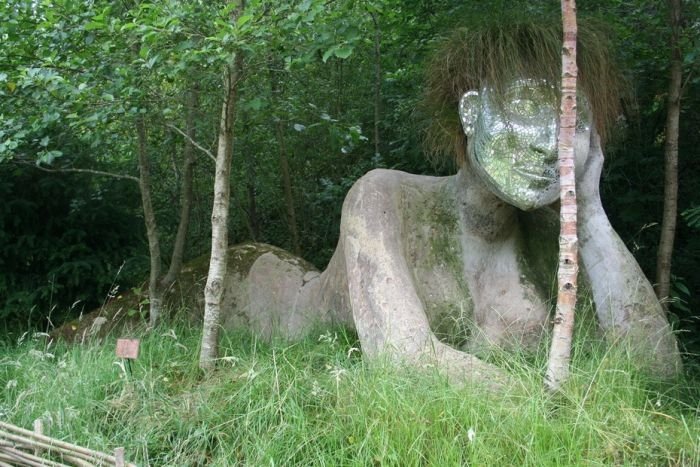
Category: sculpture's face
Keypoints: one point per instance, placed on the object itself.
(513, 145)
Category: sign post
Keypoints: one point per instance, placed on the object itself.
(128, 349)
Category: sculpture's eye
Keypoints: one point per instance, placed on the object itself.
(524, 108)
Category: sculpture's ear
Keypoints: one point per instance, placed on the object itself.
(469, 111)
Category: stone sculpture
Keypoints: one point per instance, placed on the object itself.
(430, 270)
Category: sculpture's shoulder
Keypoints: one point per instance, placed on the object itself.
(397, 178)
(385, 186)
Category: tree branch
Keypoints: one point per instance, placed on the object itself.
(88, 171)
(194, 143)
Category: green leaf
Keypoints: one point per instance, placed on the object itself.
(343, 52)
(327, 54)
(93, 25)
(48, 157)
(243, 20)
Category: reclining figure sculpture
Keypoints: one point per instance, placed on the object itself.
(432, 269)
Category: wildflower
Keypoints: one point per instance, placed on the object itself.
(471, 434)
(11, 384)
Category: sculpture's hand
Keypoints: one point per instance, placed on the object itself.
(588, 178)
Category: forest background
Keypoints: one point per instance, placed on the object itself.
(95, 93)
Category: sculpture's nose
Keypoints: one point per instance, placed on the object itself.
(545, 141)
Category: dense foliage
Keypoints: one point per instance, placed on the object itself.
(76, 76)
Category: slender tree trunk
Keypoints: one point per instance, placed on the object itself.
(287, 184)
(213, 291)
(253, 220)
(186, 193)
(251, 210)
(284, 163)
(377, 80)
(670, 212)
(155, 293)
(567, 276)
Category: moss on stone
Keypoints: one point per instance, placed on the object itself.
(537, 249)
(432, 226)
(538, 258)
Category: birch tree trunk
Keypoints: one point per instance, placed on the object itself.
(567, 276)
(214, 289)
(377, 79)
(670, 210)
(155, 292)
(186, 191)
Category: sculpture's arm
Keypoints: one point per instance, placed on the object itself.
(626, 305)
(387, 311)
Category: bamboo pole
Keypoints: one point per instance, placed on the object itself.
(13, 439)
(50, 443)
(78, 462)
(28, 459)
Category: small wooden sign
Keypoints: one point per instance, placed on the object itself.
(128, 348)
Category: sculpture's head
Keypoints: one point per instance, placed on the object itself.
(512, 143)
(502, 82)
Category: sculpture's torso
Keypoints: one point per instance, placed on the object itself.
(471, 270)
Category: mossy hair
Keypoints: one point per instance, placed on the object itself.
(493, 52)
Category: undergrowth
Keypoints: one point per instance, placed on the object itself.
(317, 402)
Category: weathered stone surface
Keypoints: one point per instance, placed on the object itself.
(433, 270)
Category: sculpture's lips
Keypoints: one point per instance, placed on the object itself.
(530, 174)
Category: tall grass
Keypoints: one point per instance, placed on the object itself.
(317, 403)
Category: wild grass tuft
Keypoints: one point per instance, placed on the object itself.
(317, 402)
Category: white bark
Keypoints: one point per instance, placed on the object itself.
(567, 276)
(214, 289)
